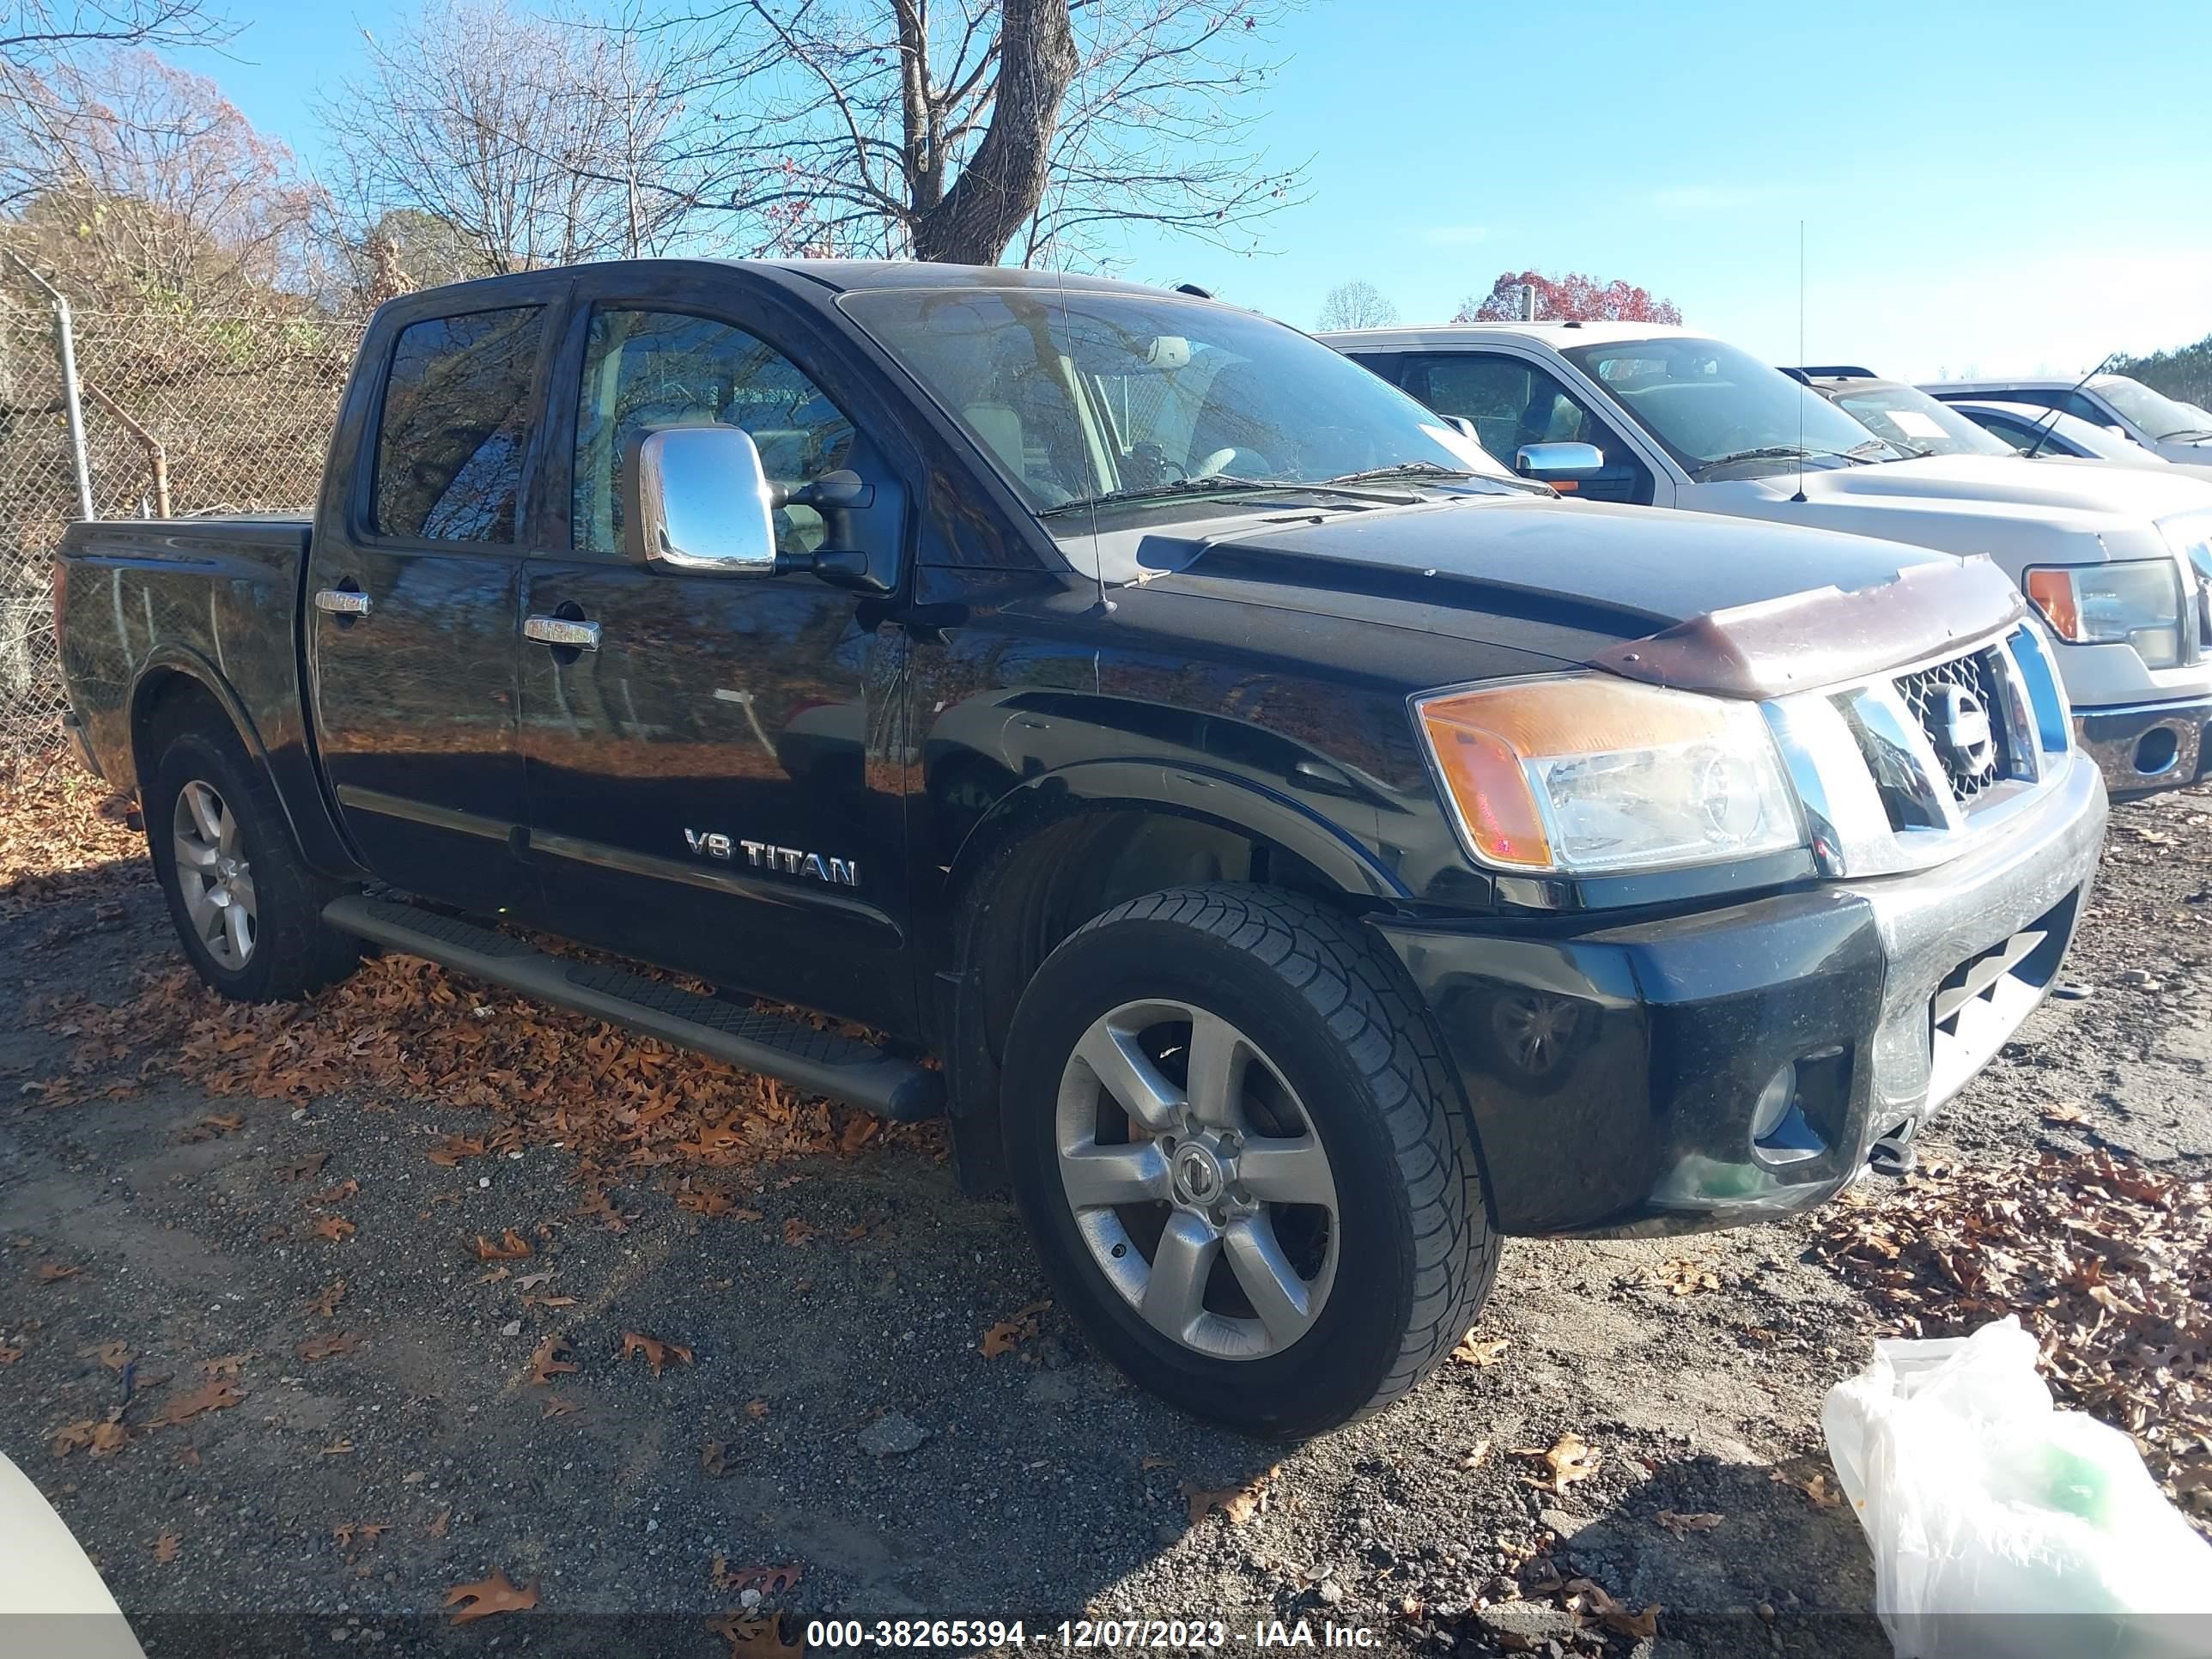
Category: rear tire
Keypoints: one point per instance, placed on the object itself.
(247, 909)
(1288, 1262)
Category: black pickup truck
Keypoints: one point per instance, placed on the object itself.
(1307, 853)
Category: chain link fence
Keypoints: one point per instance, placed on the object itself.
(183, 413)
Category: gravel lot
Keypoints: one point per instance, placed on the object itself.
(831, 1407)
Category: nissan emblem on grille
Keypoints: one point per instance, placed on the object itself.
(1957, 705)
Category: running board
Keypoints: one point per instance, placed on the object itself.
(789, 1050)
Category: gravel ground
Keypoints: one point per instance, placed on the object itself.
(831, 1408)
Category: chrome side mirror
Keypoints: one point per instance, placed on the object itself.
(696, 499)
(1558, 461)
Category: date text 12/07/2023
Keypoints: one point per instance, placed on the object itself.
(1162, 1634)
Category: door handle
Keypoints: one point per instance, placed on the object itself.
(341, 602)
(562, 631)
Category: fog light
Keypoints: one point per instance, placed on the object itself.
(1774, 1102)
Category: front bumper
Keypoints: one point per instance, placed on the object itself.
(2146, 746)
(1613, 1073)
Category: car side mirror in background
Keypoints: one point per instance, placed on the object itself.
(698, 501)
(1558, 461)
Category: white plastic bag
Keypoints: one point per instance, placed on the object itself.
(2002, 1527)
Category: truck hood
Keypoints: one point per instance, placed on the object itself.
(1994, 487)
(1748, 608)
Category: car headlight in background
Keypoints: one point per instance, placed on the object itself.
(1583, 773)
(2135, 602)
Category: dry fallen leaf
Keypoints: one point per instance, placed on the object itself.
(1239, 1504)
(1815, 1487)
(228, 1364)
(332, 1227)
(326, 1301)
(1472, 1457)
(103, 1437)
(756, 1408)
(489, 1595)
(304, 1167)
(1685, 1275)
(1009, 1334)
(2067, 1113)
(545, 1361)
(511, 1247)
(1154, 1461)
(768, 1581)
(1637, 1627)
(796, 1231)
(53, 1272)
(113, 1355)
(330, 1343)
(715, 1458)
(437, 1528)
(9, 1356)
(559, 1406)
(657, 1353)
(338, 1449)
(218, 1395)
(1479, 1353)
(337, 1195)
(366, 1531)
(1682, 1525)
(711, 1202)
(1570, 1459)
(453, 1148)
(166, 1547)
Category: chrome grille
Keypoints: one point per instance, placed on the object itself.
(1935, 695)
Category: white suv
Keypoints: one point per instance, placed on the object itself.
(1636, 412)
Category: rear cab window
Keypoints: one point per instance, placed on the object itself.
(455, 426)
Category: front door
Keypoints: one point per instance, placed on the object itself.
(1513, 402)
(413, 589)
(708, 759)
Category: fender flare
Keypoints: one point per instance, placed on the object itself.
(1204, 794)
(319, 842)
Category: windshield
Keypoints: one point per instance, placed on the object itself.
(2152, 411)
(1907, 418)
(1080, 395)
(1712, 406)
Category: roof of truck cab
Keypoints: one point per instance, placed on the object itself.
(841, 275)
(1558, 336)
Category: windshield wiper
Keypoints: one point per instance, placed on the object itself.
(1780, 452)
(1220, 483)
(1405, 470)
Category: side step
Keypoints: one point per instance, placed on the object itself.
(821, 1062)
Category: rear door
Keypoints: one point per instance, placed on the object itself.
(413, 594)
(713, 781)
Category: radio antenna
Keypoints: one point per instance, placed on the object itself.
(1803, 392)
(2049, 422)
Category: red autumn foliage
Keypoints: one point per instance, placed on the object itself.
(1574, 297)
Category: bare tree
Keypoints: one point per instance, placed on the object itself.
(956, 130)
(132, 177)
(531, 138)
(1355, 305)
(35, 34)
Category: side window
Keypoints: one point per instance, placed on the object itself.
(644, 369)
(456, 421)
(1514, 402)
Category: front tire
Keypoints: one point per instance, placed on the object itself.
(1242, 1161)
(248, 910)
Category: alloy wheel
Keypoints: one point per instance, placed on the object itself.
(1197, 1179)
(212, 875)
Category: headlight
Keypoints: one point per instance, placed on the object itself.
(1585, 773)
(2136, 602)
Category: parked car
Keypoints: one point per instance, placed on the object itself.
(52, 1600)
(2048, 433)
(1681, 420)
(2179, 431)
(1310, 852)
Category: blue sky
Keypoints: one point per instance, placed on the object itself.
(2005, 187)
